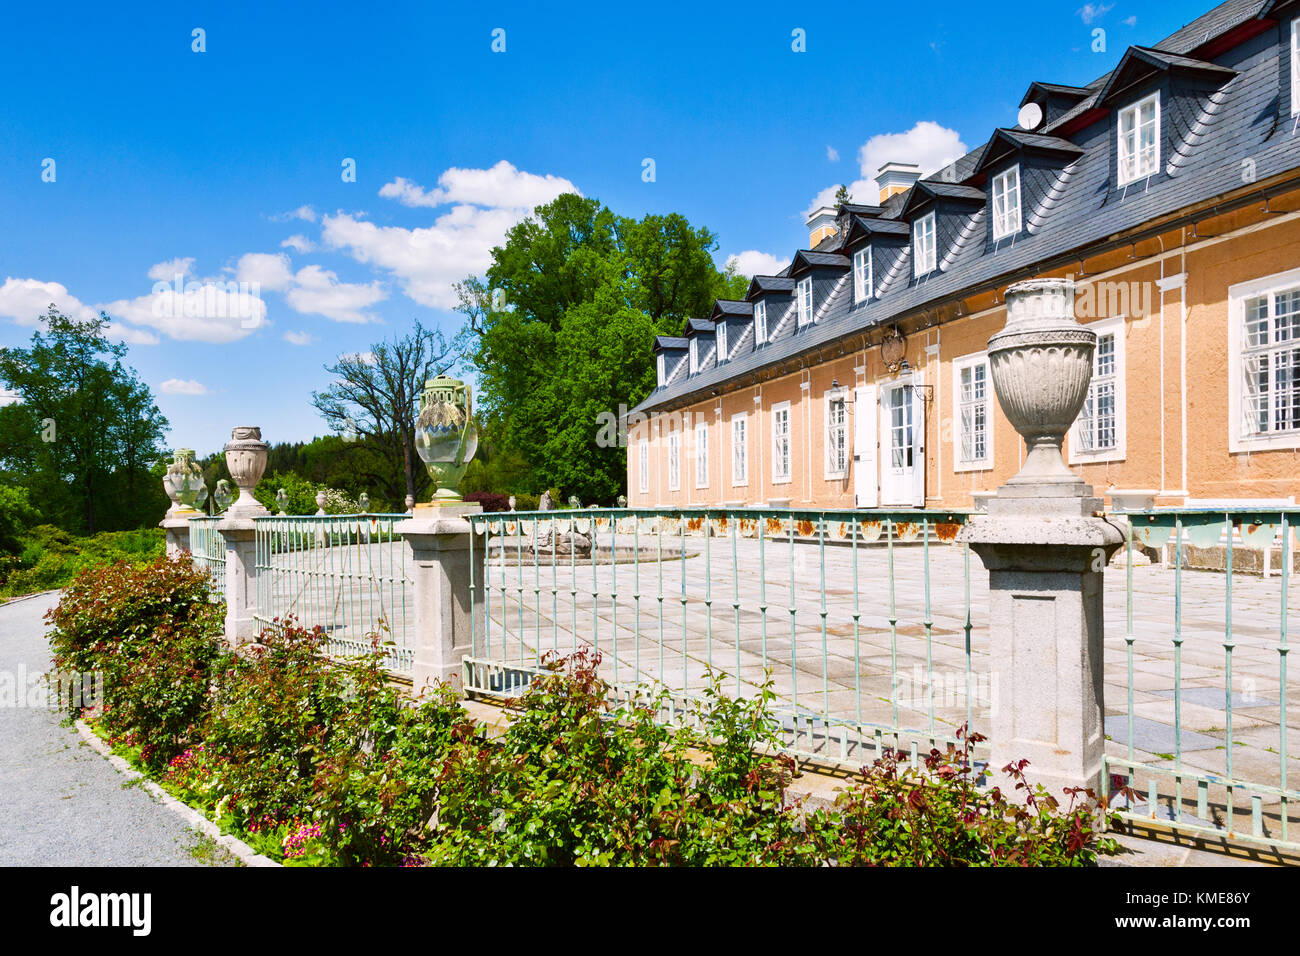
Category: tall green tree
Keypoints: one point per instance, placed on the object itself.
(85, 431)
(562, 325)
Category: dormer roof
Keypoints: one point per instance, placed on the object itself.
(864, 227)
(669, 343)
(806, 259)
(928, 191)
(698, 327)
(1038, 92)
(766, 285)
(1140, 63)
(731, 308)
(1005, 142)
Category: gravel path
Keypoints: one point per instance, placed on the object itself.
(61, 804)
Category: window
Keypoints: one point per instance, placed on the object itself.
(803, 297)
(643, 465)
(760, 322)
(1006, 203)
(663, 377)
(1139, 140)
(862, 274)
(923, 247)
(781, 443)
(1270, 364)
(974, 399)
(702, 455)
(721, 332)
(837, 435)
(739, 450)
(695, 354)
(1099, 431)
(674, 461)
(1295, 66)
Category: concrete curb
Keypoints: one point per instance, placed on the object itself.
(195, 820)
(28, 597)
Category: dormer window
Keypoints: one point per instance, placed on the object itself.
(923, 246)
(721, 332)
(862, 274)
(695, 354)
(1295, 67)
(803, 296)
(1139, 140)
(663, 370)
(760, 322)
(1006, 203)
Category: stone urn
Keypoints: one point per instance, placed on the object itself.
(246, 459)
(1041, 364)
(184, 483)
(445, 435)
(320, 503)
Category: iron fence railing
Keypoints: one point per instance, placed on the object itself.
(835, 608)
(208, 550)
(347, 574)
(1204, 732)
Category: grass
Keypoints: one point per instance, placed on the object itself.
(50, 557)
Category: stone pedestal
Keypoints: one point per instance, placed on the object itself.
(176, 525)
(439, 539)
(241, 580)
(1046, 557)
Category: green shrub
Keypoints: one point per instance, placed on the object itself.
(154, 636)
(16, 515)
(51, 558)
(526, 502)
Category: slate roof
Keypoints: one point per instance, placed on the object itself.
(1209, 134)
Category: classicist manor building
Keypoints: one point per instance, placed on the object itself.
(1169, 189)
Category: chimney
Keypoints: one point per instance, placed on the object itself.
(821, 223)
(895, 178)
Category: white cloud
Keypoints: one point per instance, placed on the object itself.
(182, 386)
(927, 144)
(752, 263)
(268, 270)
(167, 271)
(26, 300)
(1130, 21)
(299, 243)
(216, 312)
(8, 397)
(305, 213)
(502, 187)
(361, 358)
(1093, 11)
(832, 154)
(298, 338)
(319, 291)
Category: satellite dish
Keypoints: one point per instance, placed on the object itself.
(1031, 114)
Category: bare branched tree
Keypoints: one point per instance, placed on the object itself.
(373, 401)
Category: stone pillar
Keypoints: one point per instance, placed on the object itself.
(1045, 552)
(246, 458)
(241, 580)
(439, 539)
(177, 529)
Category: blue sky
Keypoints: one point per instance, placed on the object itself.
(226, 165)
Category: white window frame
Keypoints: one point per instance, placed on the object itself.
(701, 454)
(643, 466)
(1079, 454)
(739, 450)
(862, 274)
(1240, 439)
(924, 246)
(1295, 67)
(803, 300)
(1140, 172)
(662, 370)
(837, 470)
(674, 460)
(1006, 214)
(961, 462)
(760, 321)
(720, 333)
(695, 354)
(781, 411)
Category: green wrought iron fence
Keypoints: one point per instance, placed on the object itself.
(208, 550)
(347, 574)
(1203, 735)
(836, 607)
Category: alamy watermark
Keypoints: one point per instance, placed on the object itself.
(51, 690)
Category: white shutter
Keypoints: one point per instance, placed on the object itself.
(918, 447)
(865, 472)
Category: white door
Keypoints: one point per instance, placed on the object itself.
(866, 476)
(902, 426)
